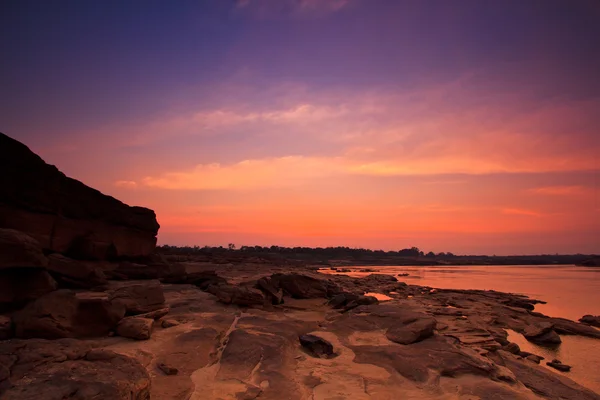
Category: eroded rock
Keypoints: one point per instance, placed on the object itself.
(69, 369)
(316, 346)
(139, 297)
(62, 314)
(21, 285)
(275, 295)
(135, 328)
(301, 286)
(239, 295)
(18, 249)
(412, 331)
(542, 334)
(593, 320)
(66, 216)
(71, 273)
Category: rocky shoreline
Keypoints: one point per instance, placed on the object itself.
(233, 332)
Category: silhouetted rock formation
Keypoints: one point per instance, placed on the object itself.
(66, 216)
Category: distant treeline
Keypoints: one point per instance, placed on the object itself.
(348, 255)
(339, 251)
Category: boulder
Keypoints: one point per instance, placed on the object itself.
(558, 365)
(316, 346)
(75, 274)
(239, 295)
(135, 328)
(542, 334)
(20, 250)
(6, 329)
(412, 331)
(361, 301)
(66, 216)
(275, 295)
(96, 315)
(379, 279)
(139, 297)
(68, 369)
(62, 314)
(21, 285)
(340, 300)
(301, 286)
(593, 320)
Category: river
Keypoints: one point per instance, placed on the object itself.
(570, 292)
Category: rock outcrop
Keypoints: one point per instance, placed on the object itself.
(21, 285)
(63, 314)
(68, 369)
(66, 216)
(19, 250)
(75, 274)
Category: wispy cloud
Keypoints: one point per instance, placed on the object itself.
(559, 190)
(126, 184)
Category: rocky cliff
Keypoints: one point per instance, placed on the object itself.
(65, 215)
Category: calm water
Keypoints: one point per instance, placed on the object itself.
(570, 292)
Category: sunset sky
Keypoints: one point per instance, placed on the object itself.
(470, 126)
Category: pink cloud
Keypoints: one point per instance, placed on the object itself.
(559, 190)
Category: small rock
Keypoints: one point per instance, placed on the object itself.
(593, 320)
(317, 346)
(135, 328)
(534, 358)
(168, 370)
(558, 365)
(168, 323)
